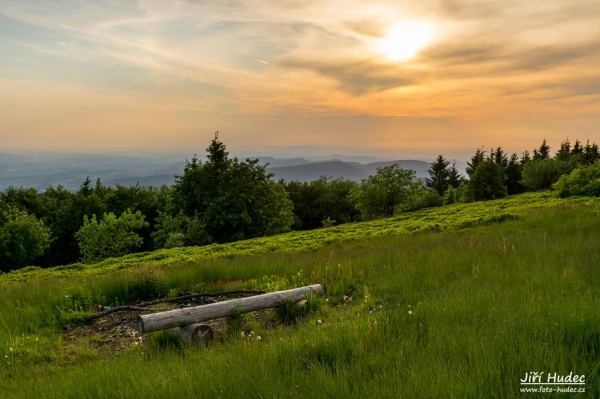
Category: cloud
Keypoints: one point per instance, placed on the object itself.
(356, 77)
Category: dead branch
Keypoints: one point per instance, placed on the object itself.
(114, 309)
(143, 307)
(204, 294)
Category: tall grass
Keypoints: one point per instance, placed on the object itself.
(453, 314)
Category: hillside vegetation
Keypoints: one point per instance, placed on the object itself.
(447, 302)
(458, 216)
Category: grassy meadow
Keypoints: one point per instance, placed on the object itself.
(453, 302)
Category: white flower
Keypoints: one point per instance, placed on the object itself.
(258, 338)
(380, 307)
(326, 299)
(410, 312)
(11, 349)
(370, 312)
(319, 321)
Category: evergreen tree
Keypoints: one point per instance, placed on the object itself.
(577, 148)
(439, 175)
(454, 177)
(476, 160)
(499, 157)
(564, 153)
(513, 172)
(590, 153)
(487, 182)
(543, 152)
(525, 157)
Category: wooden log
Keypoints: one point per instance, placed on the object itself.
(197, 334)
(197, 314)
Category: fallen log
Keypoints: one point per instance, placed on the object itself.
(197, 314)
(194, 334)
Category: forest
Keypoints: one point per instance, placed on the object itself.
(223, 199)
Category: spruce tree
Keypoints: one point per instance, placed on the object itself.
(513, 172)
(564, 153)
(499, 157)
(454, 177)
(543, 152)
(476, 160)
(439, 174)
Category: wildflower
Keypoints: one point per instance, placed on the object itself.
(258, 338)
(36, 338)
(6, 356)
(251, 332)
(326, 299)
(243, 334)
(319, 321)
(380, 306)
(11, 349)
(370, 312)
(410, 312)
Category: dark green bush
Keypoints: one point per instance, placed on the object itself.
(584, 180)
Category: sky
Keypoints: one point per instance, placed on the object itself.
(299, 75)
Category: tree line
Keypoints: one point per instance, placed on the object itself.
(224, 199)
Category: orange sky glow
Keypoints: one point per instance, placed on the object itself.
(399, 78)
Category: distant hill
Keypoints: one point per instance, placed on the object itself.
(43, 169)
(348, 170)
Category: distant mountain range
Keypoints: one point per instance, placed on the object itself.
(41, 170)
(348, 170)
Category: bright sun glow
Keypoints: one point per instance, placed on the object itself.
(405, 39)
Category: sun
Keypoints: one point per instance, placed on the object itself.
(405, 39)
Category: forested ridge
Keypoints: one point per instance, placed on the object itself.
(224, 199)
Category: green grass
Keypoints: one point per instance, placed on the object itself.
(449, 311)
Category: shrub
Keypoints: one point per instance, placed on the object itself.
(541, 174)
(584, 180)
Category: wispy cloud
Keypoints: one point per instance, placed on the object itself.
(307, 59)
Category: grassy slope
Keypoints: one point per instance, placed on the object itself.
(488, 304)
(452, 217)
